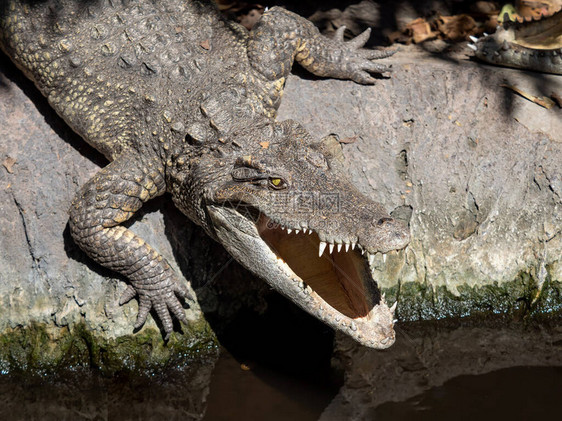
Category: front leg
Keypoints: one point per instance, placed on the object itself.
(108, 199)
(280, 37)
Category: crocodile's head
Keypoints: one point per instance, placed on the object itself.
(526, 44)
(287, 212)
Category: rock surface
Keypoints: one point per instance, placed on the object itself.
(475, 168)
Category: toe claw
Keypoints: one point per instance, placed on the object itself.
(338, 36)
(183, 292)
(127, 295)
(144, 308)
(174, 305)
(364, 78)
(178, 312)
(361, 39)
(164, 316)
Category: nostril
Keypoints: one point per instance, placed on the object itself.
(384, 220)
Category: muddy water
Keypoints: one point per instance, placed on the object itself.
(517, 393)
(255, 391)
(83, 394)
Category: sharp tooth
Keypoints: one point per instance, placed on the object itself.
(473, 47)
(310, 232)
(384, 257)
(353, 246)
(331, 248)
(289, 230)
(322, 248)
(339, 247)
(473, 39)
(485, 34)
(371, 258)
(346, 247)
(362, 251)
(393, 308)
(297, 231)
(282, 227)
(304, 230)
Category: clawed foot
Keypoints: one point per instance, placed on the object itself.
(357, 64)
(163, 298)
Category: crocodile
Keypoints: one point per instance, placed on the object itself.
(182, 100)
(532, 43)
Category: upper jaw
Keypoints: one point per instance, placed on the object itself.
(356, 308)
(370, 242)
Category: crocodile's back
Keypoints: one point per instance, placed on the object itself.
(122, 71)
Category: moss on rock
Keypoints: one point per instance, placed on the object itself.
(522, 298)
(39, 348)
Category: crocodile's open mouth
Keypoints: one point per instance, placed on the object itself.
(534, 44)
(337, 277)
(332, 283)
(335, 281)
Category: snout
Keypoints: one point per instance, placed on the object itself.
(391, 233)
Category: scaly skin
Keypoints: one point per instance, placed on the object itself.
(183, 101)
(533, 45)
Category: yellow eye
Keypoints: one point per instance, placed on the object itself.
(277, 183)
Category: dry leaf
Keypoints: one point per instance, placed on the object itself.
(543, 101)
(420, 30)
(456, 28)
